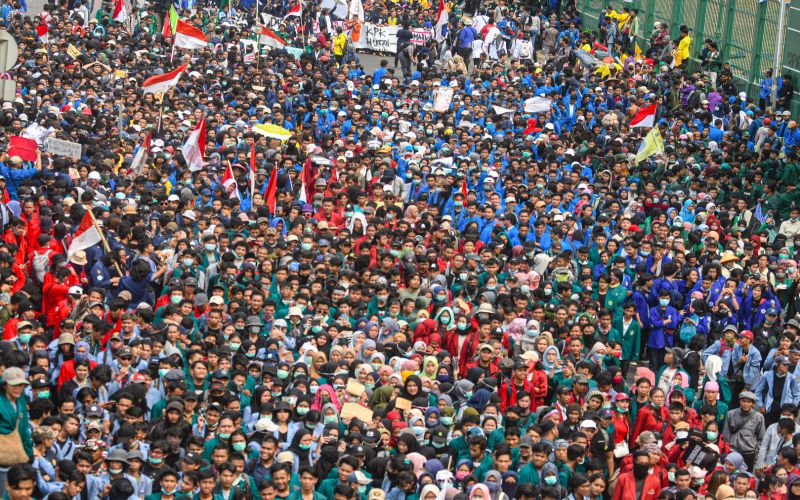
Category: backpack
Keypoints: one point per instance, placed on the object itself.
(41, 264)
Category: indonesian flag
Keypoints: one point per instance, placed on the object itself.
(194, 150)
(120, 14)
(270, 38)
(271, 193)
(162, 83)
(297, 10)
(646, 117)
(441, 21)
(189, 37)
(253, 168)
(86, 236)
(228, 181)
(41, 31)
(305, 181)
(141, 154)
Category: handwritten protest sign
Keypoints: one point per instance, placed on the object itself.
(353, 410)
(62, 148)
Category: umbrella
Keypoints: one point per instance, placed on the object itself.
(273, 131)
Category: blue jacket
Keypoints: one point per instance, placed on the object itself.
(14, 176)
(752, 368)
(659, 323)
(790, 394)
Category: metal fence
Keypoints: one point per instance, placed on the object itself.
(744, 31)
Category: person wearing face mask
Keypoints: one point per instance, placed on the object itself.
(169, 486)
(116, 463)
(638, 483)
(664, 320)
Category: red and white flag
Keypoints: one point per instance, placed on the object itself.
(253, 169)
(271, 193)
(441, 21)
(120, 14)
(194, 150)
(297, 10)
(305, 182)
(86, 236)
(42, 31)
(646, 117)
(270, 38)
(162, 83)
(189, 37)
(141, 154)
(228, 182)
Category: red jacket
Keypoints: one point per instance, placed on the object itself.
(467, 352)
(626, 488)
(648, 420)
(493, 368)
(53, 293)
(508, 392)
(34, 229)
(22, 244)
(424, 330)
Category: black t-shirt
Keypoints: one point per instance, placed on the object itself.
(403, 38)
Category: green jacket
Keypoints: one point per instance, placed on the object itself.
(630, 340)
(530, 474)
(297, 495)
(11, 418)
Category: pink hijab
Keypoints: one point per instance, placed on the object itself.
(328, 389)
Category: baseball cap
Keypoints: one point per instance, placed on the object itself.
(439, 436)
(14, 376)
(92, 410)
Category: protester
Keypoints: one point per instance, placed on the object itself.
(524, 258)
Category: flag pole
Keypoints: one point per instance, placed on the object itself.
(105, 243)
(161, 111)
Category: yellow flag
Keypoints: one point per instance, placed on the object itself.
(637, 51)
(73, 51)
(652, 144)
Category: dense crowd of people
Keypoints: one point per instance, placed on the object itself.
(467, 273)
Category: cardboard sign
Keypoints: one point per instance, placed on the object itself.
(63, 148)
(402, 404)
(354, 410)
(442, 99)
(73, 51)
(355, 387)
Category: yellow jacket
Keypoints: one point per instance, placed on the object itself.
(682, 52)
(339, 43)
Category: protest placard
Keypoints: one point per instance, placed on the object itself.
(59, 147)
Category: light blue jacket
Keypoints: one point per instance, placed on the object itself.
(765, 398)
